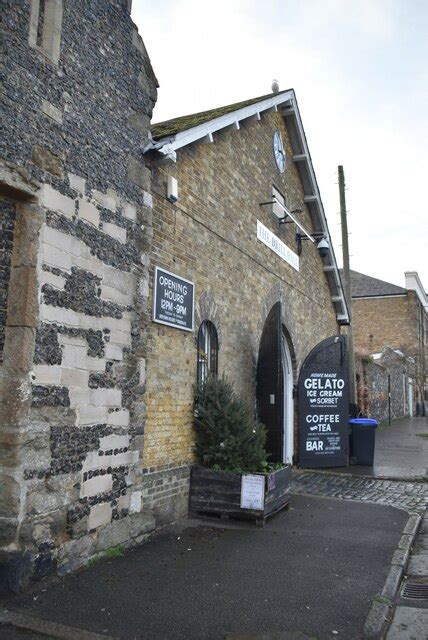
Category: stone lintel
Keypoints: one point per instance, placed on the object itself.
(15, 182)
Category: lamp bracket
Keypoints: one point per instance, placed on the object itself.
(288, 214)
(316, 235)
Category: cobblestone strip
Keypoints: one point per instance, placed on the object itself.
(409, 496)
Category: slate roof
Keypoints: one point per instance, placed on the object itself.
(363, 286)
(176, 125)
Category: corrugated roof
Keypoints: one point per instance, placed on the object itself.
(363, 286)
(174, 126)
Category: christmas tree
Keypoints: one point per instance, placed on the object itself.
(228, 437)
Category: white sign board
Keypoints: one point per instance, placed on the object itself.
(277, 245)
(253, 492)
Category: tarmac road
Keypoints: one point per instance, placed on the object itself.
(313, 569)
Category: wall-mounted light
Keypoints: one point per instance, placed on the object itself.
(318, 237)
(323, 245)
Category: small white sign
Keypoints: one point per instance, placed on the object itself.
(278, 246)
(253, 492)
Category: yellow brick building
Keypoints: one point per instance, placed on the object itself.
(227, 163)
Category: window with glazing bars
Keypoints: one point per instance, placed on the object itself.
(207, 351)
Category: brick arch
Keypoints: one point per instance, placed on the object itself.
(206, 308)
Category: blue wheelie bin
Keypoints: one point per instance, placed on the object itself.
(362, 440)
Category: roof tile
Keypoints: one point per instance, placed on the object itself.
(363, 286)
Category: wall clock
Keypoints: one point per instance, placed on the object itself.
(278, 151)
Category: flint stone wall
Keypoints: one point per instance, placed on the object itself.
(7, 226)
(74, 296)
(376, 379)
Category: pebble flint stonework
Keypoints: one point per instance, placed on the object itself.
(76, 223)
(97, 413)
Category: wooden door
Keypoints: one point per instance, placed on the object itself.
(269, 384)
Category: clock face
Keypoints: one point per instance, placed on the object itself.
(278, 151)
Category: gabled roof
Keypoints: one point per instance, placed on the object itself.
(363, 286)
(172, 135)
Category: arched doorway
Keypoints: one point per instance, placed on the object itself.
(275, 388)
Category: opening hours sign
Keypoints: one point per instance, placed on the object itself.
(173, 300)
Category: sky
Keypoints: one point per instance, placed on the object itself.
(360, 72)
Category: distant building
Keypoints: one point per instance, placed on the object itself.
(386, 316)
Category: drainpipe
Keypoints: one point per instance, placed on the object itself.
(389, 400)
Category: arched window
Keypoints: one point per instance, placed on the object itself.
(207, 351)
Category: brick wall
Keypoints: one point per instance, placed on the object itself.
(209, 237)
(77, 115)
(385, 322)
(396, 322)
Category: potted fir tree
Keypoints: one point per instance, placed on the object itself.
(234, 477)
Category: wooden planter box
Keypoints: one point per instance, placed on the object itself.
(218, 493)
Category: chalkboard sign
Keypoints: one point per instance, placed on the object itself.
(173, 300)
(324, 406)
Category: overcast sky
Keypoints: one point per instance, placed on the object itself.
(360, 72)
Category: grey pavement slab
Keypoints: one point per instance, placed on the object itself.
(418, 565)
(400, 451)
(421, 544)
(409, 623)
(313, 569)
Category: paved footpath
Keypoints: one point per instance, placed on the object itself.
(401, 451)
(311, 571)
(409, 496)
(406, 616)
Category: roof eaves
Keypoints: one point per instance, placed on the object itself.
(199, 131)
(344, 316)
(356, 296)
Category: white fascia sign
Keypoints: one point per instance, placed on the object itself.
(277, 245)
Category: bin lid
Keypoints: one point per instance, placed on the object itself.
(368, 422)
